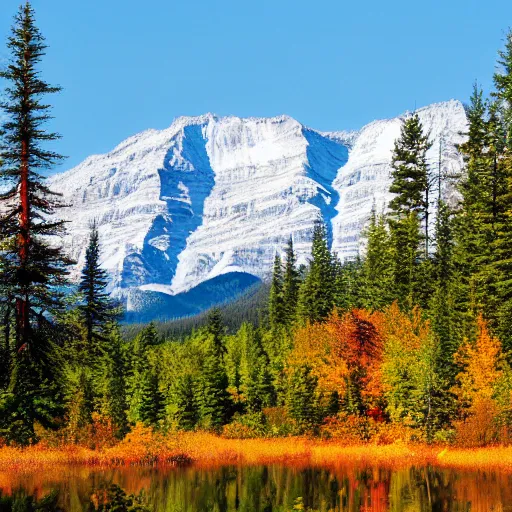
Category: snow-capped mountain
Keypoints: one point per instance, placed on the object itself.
(210, 196)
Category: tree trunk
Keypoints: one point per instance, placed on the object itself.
(22, 303)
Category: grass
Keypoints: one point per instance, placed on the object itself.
(142, 447)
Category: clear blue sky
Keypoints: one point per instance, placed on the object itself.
(129, 65)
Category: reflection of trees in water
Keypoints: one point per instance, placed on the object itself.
(19, 501)
(270, 489)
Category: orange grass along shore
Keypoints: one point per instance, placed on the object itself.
(142, 447)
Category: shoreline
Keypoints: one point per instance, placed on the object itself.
(197, 449)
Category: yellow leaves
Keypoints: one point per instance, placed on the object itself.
(482, 366)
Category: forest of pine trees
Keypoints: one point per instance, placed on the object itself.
(412, 340)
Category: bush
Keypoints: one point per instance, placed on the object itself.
(247, 426)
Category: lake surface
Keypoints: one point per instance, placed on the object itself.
(257, 489)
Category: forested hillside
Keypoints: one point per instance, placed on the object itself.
(411, 340)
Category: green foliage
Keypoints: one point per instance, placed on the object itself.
(317, 294)
(410, 176)
(276, 305)
(97, 308)
(301, 399)
(377, 273)
(214, 404)
(291, 285)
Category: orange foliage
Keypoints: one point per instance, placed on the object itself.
(145, 447)
(409, 328)
(345, 345)
(482, 369)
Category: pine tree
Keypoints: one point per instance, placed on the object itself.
(317, 293)
(291, 284)
(97, 308)
(151, 399)
(442, 305)
(36, 269)
(301, 401)
(410, 172)
(472, 247)
(408, 208)
(348, 283)
(255, 379)
(406, 247)
(109, 383)
(376, 289)
(141, 382)
(503, 86)
(211, 389)
(276, 306)
(215, 326)
(183, 403)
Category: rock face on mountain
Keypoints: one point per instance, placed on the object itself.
(210, 196)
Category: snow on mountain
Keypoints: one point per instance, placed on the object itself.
(210, 196)
(205, 197)
(363, 183)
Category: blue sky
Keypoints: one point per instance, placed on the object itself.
(128, 65)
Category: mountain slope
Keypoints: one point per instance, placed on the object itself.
(213, 196)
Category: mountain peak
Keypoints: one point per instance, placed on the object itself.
(213, 195)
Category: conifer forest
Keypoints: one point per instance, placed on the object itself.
(410, 341)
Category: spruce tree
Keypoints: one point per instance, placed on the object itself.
(255, 379)
(35, 270)
(211, 389)
(291, 284)
(317, 293)
(410, 172)
(301, 403)
(408, 208)
(503, 86)
(442, 304)
(141, 382)
(183, 403)
(472, 250)
(215, 326)
(32, 268)
(376, 289)
(276, 306)
(97, 308)
(109, 382)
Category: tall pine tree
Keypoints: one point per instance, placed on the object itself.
(35, 271)
(291, 284)
(317, 293)
(97, 308)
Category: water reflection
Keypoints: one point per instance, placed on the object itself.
(257, 489)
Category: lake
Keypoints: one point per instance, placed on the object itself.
(257, 489)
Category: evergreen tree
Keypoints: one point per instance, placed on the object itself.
(317, 293)
(348, 283)
(376, 289)
(410, 172)
(442, 306)
(405, 240)
(109, 382)
(503, 86)
(408, 208)
(211, 392)
(301, 402)
(255, 379)
(97, 308)
(183, 403)
(472, 247)
(276, 305)
(151, 399)
(215, 326)
(291, 285)
(35, 270)
(141, 381)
